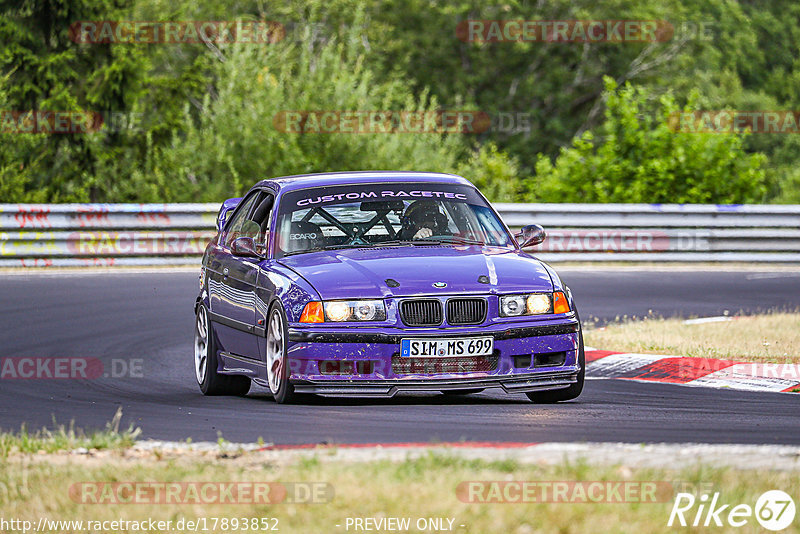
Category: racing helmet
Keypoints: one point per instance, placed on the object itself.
(423, 214)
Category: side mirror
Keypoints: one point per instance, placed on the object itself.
(530, 235)
(245, 246)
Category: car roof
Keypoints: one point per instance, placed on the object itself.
(303, 181)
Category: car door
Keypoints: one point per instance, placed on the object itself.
(232, 284)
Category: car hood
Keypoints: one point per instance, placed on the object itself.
(362, 273)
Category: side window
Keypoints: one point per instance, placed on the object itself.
(261, 217)
(240, 218)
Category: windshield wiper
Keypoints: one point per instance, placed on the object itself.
(424, 242)
(319, 249)
(403, 243)
(390, 243)
(462, 241)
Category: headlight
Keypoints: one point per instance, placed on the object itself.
(337, 311)
(367, 310)
(354, 310)
(512, 305)
(533, 304)
(538, 303)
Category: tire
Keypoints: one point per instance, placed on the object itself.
(277, 356)
(461, 391)
(206, 362)
(573, 391)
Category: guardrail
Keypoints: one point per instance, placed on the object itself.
(34, 235)
(43, 235)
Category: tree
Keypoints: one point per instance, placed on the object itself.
(48, 72)
(242, 133)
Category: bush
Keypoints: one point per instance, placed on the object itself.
(494, 172)
(635, 156)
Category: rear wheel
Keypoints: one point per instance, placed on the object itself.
(573, 391)
(206, 363)
(277, 358)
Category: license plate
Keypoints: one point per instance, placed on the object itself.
(443, 348)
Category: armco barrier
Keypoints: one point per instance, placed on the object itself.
(42, 235)
(33, 235)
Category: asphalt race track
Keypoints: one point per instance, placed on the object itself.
(132, 316)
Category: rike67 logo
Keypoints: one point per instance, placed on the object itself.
(774, 510)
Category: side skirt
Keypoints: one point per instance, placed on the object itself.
(233, 364)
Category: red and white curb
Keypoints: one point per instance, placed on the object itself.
(706, 372)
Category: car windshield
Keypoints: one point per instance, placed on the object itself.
(394, 214)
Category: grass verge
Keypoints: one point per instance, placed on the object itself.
(55, 490)
(769, 338)
(67, 438)
(38, 486)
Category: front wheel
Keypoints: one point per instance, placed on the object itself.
(277, 357)
(206, 363)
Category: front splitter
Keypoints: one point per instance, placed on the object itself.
(389, 388)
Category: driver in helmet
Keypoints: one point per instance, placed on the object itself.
(423, 219)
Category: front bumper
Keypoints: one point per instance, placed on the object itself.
(366, 361)
(388, 388)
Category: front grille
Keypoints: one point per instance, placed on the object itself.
(425, 312)
(433, 366)
(466, 311)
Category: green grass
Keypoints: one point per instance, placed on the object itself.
(37, 480)
(416, 488)
(67, 438)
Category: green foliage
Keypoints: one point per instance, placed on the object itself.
(495, 173)
(238, 137)
(47, 71)
(637, 156)
(203, 115)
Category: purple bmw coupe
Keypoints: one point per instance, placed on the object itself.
(372, 283)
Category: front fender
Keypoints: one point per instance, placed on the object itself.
(202, 298)
(293, 291)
